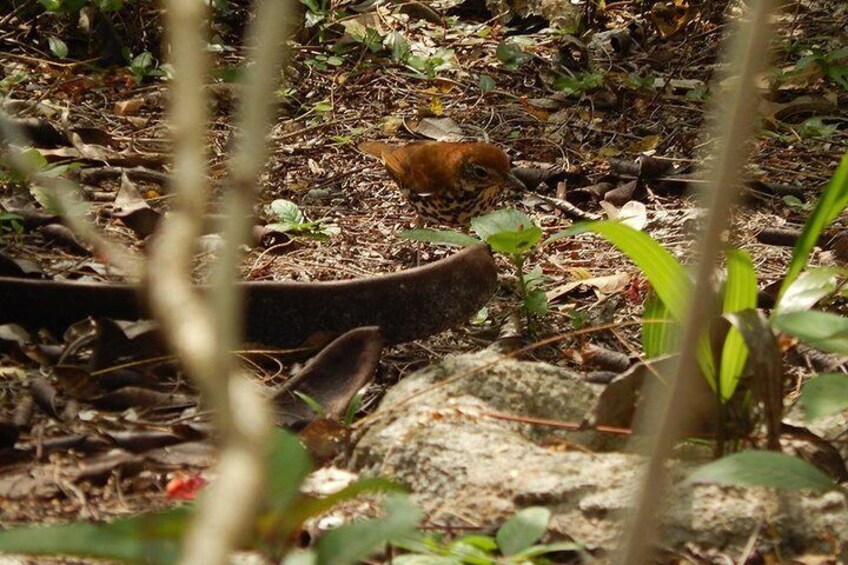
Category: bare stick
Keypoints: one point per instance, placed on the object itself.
(665, 414)
(203, 332)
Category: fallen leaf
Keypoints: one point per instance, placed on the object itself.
(128, 107)
(440, 129)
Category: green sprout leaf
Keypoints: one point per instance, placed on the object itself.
(293, 222)
(58, 47)
(821, 330)
(740, 293)
(824, 395)
(523, 530)
(833, 201)
(486, 83)
(507, 231)
(764, 469)
(352, 542)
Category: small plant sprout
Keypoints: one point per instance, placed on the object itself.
(293, 222)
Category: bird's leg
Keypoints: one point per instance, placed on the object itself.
(419, 224)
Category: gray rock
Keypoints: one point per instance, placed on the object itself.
(438, 433)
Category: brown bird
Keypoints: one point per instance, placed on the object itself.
(447, 183)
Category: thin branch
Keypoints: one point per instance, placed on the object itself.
(667, 410)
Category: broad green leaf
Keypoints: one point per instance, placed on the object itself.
(523, 530)
(507, 231)
(763, 469)
(486, 83)
(57, 46)
(352, 542)
(287, 211)
(661, 336)
(142, 62)
(288, 465)
(740, 293)
(536, 302)
(805, 291)
(830, 205)
(444, 237)
(824, 395)
(534, 278)
(33, 159)
(515, 242)
(470, 554)
(51, 5)
(821, 330)
(505, 220)
(149, 538)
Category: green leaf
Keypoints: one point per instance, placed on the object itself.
(486, 83)
(763, 469)
(537, 550)
(57, 46)
(824, 395)
(288, 465)
(523, 530)
(536, 302)
(51, 5)
(313, 404)
(821, 330)
(400, 47)
(510, 54)
(287, 211)
(141, 63)
(110, 5)
(805, 291)
(507, 231)
(740, 293)
(149, 538)
(830, 205)
(579, 83)
(352, 542)
(469, 554)
(486, 543)
(444, 237)
(662, 336)
(352, 408)
(534, 279)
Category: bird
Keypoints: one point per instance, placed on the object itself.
(447, 182)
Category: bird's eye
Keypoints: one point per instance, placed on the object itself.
(480, 172)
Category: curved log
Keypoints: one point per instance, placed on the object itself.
(407, 305)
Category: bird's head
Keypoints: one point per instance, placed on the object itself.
(484, 165)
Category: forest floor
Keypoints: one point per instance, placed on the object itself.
(581, 110)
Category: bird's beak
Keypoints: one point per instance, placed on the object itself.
(516, 182)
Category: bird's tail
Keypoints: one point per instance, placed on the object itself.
(376, 148)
